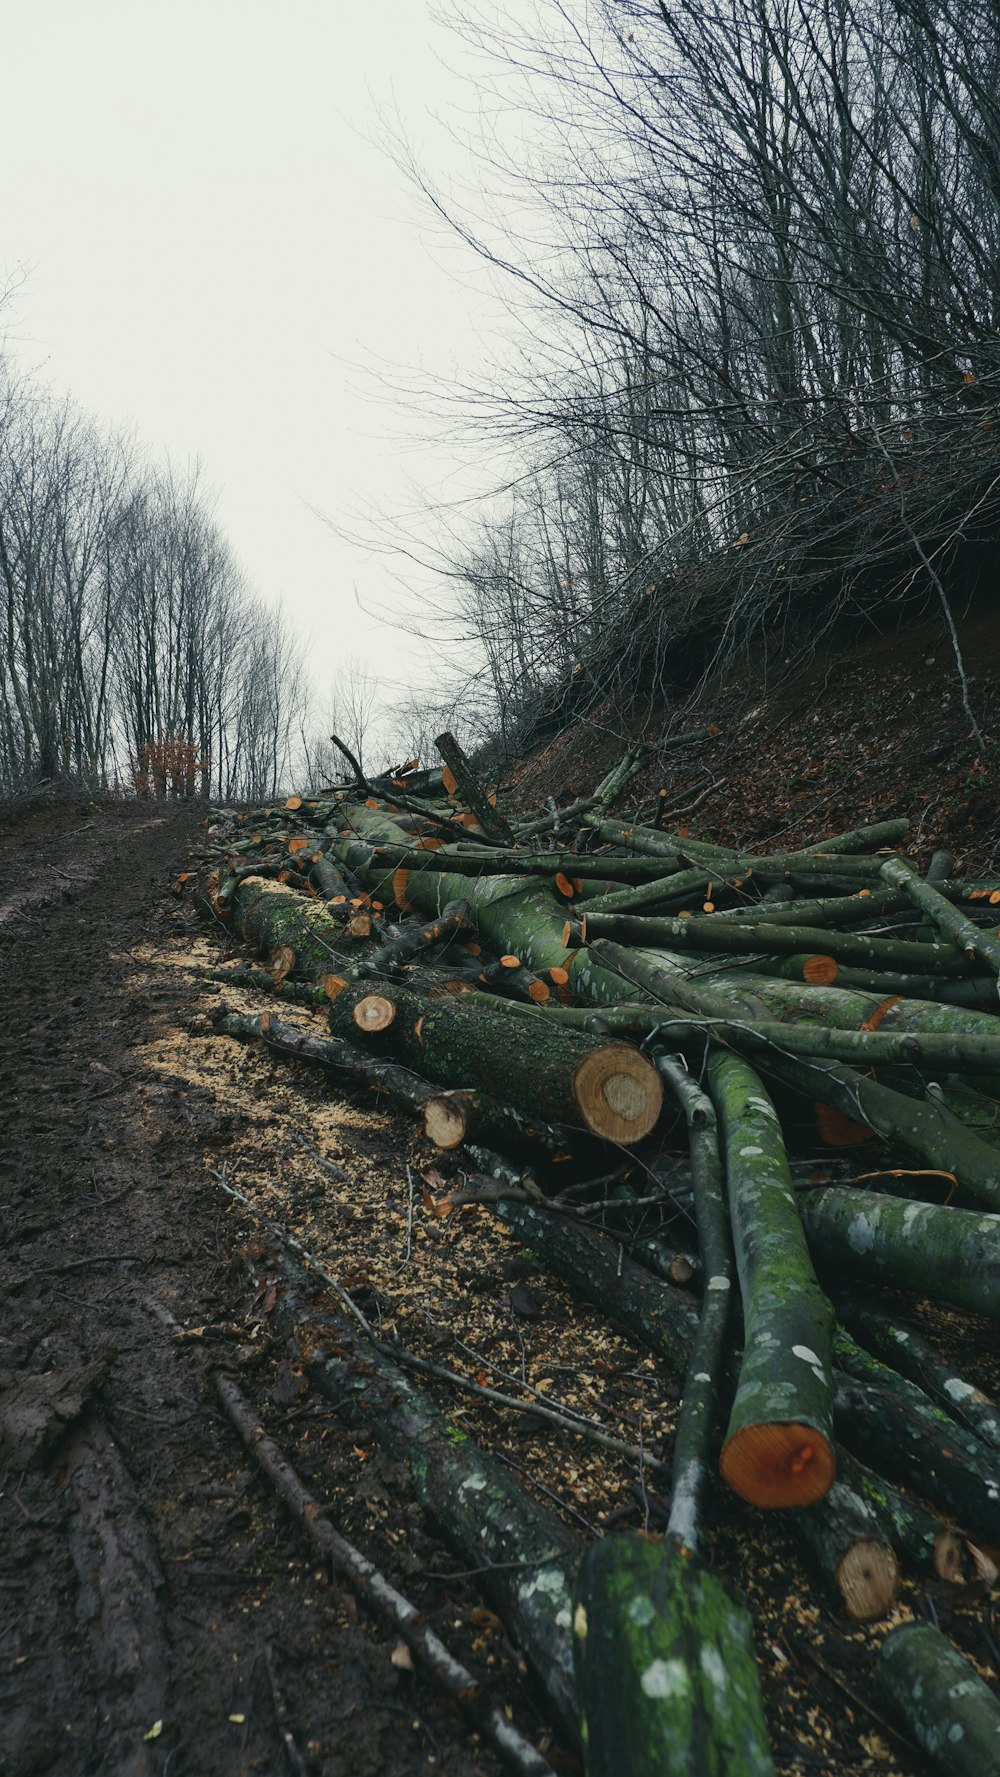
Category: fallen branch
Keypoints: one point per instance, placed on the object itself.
(454, 1679)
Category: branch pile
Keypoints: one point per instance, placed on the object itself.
(554, 995)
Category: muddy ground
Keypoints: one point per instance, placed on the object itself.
(159, 1610)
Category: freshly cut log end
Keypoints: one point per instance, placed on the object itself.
(444, 1123)
(866, 1578)
(618, 1092)
(281, 963)
(820, 971)
(779, 1464)
(333, 986)
(374, 1013)
(400, 878)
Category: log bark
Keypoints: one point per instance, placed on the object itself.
(907, 1351)
(527, 1557)
(971, 938)
(471, 790)
(929, 1249)
(751, 938)
(928, 1546)
(779, 1445)
(941, 1700)
(561, 1076)
(664, 1318)
(454, 1679)
(700, 1402)
(398, 1084)
(916, 1445)
(665, 1668)
(272, 915)
(844, 1538)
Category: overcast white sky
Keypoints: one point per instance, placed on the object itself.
(209, 239)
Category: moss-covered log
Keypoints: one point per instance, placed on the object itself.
(273, 916)
(974, 940)
(746, 938)
(907, 1351)
(665, 1668)
(459, 1115)
(700, 1403)
(921, 1448)
(526, 1556)
(779, 1445)
(561, 1076)
(897, 1243)
(941, 1701)
(925, 1544)
(845, 1540)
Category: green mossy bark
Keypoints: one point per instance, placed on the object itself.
(896, 1243)
(973, 939)
(907, 1351)
(273, 913)
(915, 1534)
(526, 1556)
(845, 1539)
(529, 1064)
(745, 939)
(912, 1442)
(941, 1700)
(788, 1321)
(665, 1668)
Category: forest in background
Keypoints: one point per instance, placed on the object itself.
(752, 256)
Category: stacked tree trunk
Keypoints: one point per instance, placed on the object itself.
(529, 985)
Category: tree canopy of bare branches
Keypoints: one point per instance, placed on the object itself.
(754, 247)
(134, 653)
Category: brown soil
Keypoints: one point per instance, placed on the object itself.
(161, 1612)
(855, 735)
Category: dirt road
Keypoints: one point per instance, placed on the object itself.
(158, 1611)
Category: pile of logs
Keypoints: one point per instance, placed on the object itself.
(576, 984)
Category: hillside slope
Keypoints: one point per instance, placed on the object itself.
(871, 728)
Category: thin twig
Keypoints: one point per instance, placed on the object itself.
(568, 1420)
(452, 1677)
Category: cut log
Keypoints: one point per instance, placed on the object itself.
(941, 1700)
(457, 1116)
(892, 1242)
(271, 914)
(926, 1544)
(749, 938)
(971, 938)
(843, 1535)
(402, 1087)
(471, 790)
(454, 1679)
(665, 1668)
(779, 1446)
(664, 1318)
(560, 1076)
(921, 1448)
(526, 1556)
(700, 1403)
(907, 1351)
